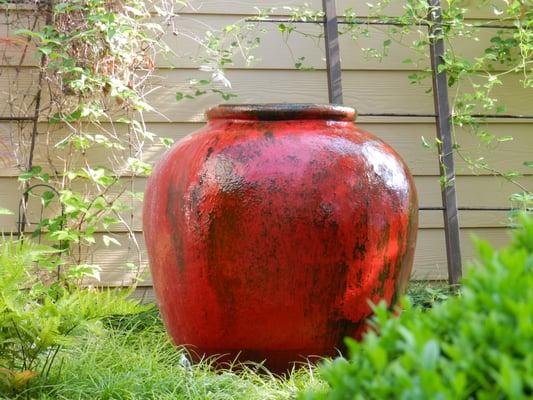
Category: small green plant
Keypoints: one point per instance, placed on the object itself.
(478, 345)
(426, 294)
(40, 314)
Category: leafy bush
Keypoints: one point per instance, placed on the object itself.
(476, 345)
(40, 314)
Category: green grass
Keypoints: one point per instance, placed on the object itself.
(132, 358)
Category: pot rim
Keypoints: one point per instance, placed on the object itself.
(282, 112)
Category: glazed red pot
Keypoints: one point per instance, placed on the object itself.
(270, 229)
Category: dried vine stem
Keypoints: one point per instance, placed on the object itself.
(98, 71)
(97, 60)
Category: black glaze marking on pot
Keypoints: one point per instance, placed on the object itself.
(283, 111)
(359, 251)
(407, 240)
(174, 203)
(394, 200)
(383, 241)
(398, 269)
(383, 277)
(322, 217)
(348, 328)
(222, 230)
(359, 277)
(320, 174)
(293, 159)
(336, 275)
(410, 239)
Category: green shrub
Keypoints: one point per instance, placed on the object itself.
(40, 314)
(478, 345)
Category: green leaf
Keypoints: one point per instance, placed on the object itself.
(528, 164)
(5, 211)
(28, 33)
(108, 221)
(425, 143)
(47, 197)
(131, 266)
(108, 240)
(28, 175)
(167, 142)
(45, 50)
(84, 270)
(430, 354)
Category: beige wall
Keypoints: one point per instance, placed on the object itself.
(370, 86)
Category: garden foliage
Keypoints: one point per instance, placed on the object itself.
(40, 313)
(95, 81)
(476, 345)
(499, 56)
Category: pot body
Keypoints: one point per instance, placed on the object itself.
(270, 230)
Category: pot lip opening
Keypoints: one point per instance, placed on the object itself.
(282, 112)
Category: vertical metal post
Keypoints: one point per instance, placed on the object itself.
(48, 9)
(333, 59)
(446, 164)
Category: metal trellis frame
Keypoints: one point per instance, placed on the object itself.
(442, 113)
(442, 116)
(22, 218)
(43, 8)
(333, 58)
(445, 147)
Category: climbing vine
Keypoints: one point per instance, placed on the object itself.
(472, 78)
(83, 156)
(94, 64)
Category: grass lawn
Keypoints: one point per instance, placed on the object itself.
(132, 358)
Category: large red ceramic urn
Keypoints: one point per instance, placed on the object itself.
(271, 229)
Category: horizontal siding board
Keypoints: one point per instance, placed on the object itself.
(430, 259)
(353, 57)
(403, 137)
(475, 9)
(13, 47)
(472, 191)
(361, 8)
(368, 91)
(18, 88)
(185, 50)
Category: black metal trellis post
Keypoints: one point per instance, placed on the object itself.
(333, 59)
(442, 116)
(446, 163)
(46, 8)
